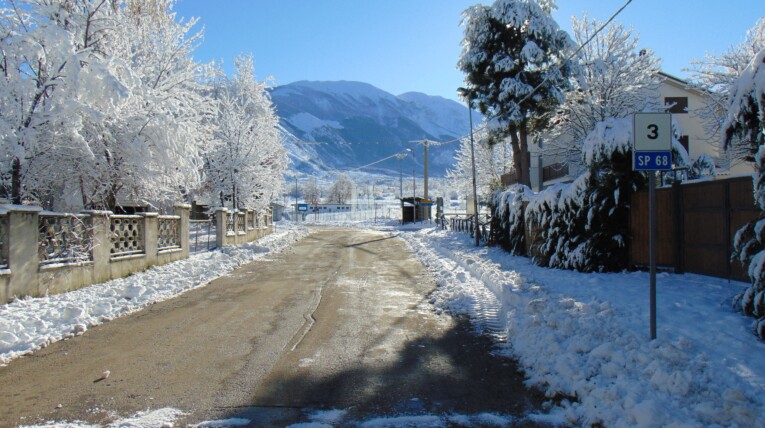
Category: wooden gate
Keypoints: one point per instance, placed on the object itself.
(696, 226)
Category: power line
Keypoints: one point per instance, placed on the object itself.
(376, 162)
(576, 51)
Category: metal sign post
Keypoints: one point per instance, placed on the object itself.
(652, 151)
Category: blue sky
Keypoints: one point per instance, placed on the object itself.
(413, 45)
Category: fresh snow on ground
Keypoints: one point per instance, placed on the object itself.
(586, 336)
(33, 323)
(581, 338)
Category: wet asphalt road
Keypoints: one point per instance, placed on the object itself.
(340, 321)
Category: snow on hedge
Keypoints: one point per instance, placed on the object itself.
(583, 225)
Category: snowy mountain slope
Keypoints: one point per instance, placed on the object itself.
(356, 123)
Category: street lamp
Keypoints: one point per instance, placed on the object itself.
(401, 157)
(296, 198)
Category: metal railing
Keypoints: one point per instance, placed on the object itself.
(64, 238)
(465, 223)
(202, 236)
(553, 171)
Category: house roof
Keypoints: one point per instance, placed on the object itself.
(681, 84)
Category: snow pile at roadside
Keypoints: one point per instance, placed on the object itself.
(32, 323)
(585, 336)
(168, 417)
(160, 418)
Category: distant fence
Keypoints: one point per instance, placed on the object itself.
(43, 252)
(696, 226)
(554, 171)
(466, 223)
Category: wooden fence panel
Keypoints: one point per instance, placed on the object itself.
(698, 237)
(705, 220)
(742, 211)
(665, 252)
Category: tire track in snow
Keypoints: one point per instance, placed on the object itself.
(485, 308)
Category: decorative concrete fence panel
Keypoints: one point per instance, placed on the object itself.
(46, 253)
(241, 226)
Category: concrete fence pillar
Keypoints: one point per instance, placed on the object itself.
(252, 219)
(23, 259)
(184, 212)
(150, 237)
(101, 224)
(220, 226)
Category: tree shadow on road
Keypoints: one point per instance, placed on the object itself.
(454, 374)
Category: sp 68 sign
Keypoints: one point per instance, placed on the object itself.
(652, 142)
(659, 160)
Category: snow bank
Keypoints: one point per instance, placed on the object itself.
(33, 323)
(161, 418)
(583, 338)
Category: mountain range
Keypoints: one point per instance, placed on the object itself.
(344, 125)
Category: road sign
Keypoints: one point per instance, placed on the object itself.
(302, 207)
(652, 142)
(427, 204)
(653, 160)
(652, 151)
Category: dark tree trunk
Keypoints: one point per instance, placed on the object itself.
(516, 146)
(85, 202)
(16, 181)
(524, 176)
(110, 203)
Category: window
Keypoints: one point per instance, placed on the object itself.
(676, 104)
(684, 142)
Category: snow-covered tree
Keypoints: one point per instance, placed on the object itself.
(508, 224)
(341, 190)
(492, 159)
(312, 192)
(514, 60)
(745, 122)
(616, 80)
(246, 162)
(102, 99)
(54, 75)
(716, 75)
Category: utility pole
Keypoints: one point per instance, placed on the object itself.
(414, 190)
(425, 144)
(472, 158)
(296, 198)
(374, 201)
(425, 183)
(401, 180)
